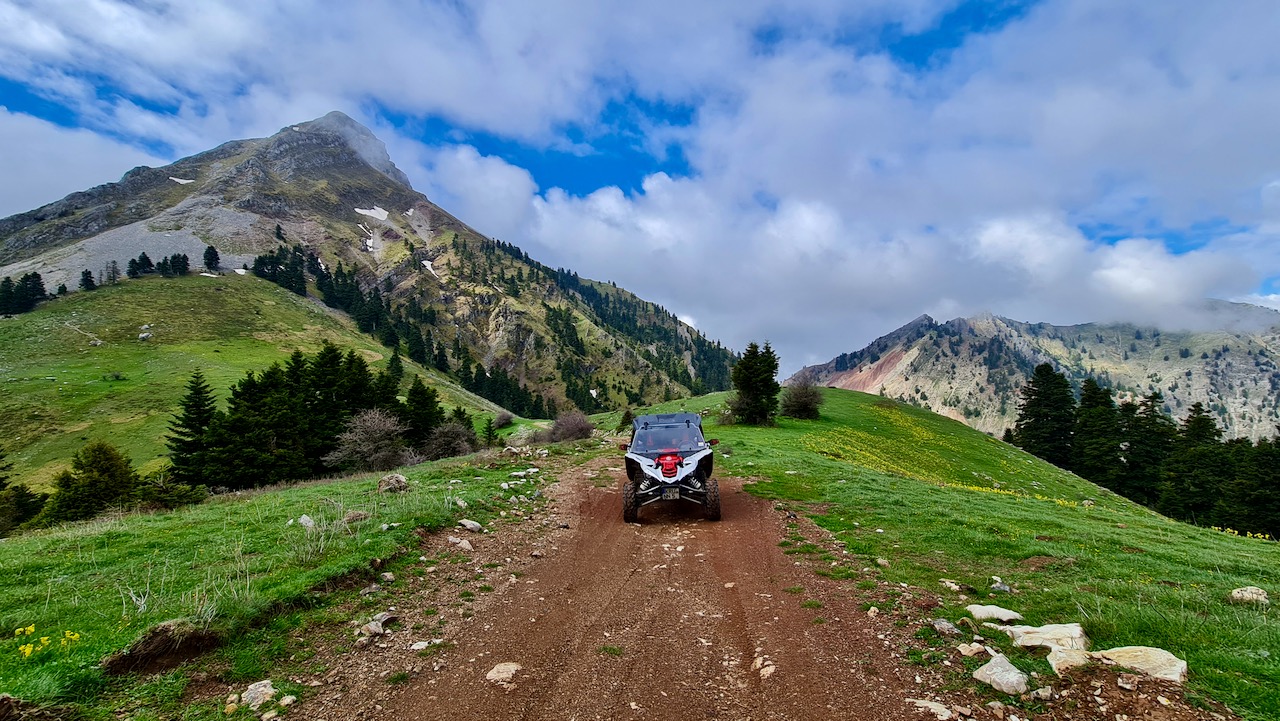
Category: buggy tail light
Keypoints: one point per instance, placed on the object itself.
(668, 464)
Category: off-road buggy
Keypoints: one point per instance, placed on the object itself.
(669, 460)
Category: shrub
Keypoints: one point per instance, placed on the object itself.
(567, 427)
(372, 441)
(503, 419)
(100, 477)
(17, 506)
(158, 490)
(450, 439)
(801, 398)
(625, 423)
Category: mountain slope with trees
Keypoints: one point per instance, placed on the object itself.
(972, 369)
(320, 209)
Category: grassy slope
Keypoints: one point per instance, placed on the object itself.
(125, 391)
(953, 503)
(930, 484)
(108, 580)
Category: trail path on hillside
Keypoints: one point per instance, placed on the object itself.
(671, 618)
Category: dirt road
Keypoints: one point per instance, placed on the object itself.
(672, 618)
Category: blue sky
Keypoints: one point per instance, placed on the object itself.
(813, 172)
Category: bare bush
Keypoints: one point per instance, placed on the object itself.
(503, 419)
(373, 441)
(801, 398)
(450, 439)
(567, 427)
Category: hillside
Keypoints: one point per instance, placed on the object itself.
(789, 577)
(972, 369)
(61, 390)
(328, 189)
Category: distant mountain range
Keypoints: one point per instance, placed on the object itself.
(972, 369)
(329, 188)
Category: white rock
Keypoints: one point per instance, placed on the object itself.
(970, 649)
(983, 613)
(1053, 635)
(503, 672)
(1061, 659)
(949, 584)
(470, 525)
(419, 645)
(1044, 693)
(1155, 662)
(1002, 676)
(306, 521)
(1250, 594)
(942, 712)
(258, 694)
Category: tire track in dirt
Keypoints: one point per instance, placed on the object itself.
(673, 618)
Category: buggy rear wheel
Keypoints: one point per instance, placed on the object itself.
(711, 506)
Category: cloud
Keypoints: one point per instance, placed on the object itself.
(45, 162)
(833, 190)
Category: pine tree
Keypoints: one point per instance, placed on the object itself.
(395, 366)
(100, 477)
(86, 280)
(188, 440)
(1148, 436)
(1194, 475)
(756, 386)
(211, 259)
(144, 264)
(5, 468)
(421, 412)
(1046, 415)
(489, 434)
(1095, 441)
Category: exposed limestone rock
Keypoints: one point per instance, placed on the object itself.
(502, 674)
(970, 649)
(258, 694)
(983, 613)
(942, 712)
(1062, 659)
(1155, 662)
(1053, 635)
(1002, 676)
(471, 525)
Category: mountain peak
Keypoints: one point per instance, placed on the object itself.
(359, 138)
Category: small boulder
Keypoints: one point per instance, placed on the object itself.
(144, 336)
(1002, 676)
(503, 673)
(998, 584)
(970, 649)
(942, 712)
(306, 522)
(1061, 659)
(471, 525)
(945, 627)
(1250, 594)
(882, 562)
(982, 613)
(1155, 662)
(393, 483)
(258, 694)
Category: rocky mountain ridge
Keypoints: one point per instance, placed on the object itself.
(972, 369)
(329, 188)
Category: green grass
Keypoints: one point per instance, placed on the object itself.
(57, 391)
(950, 502)
(235, 565)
